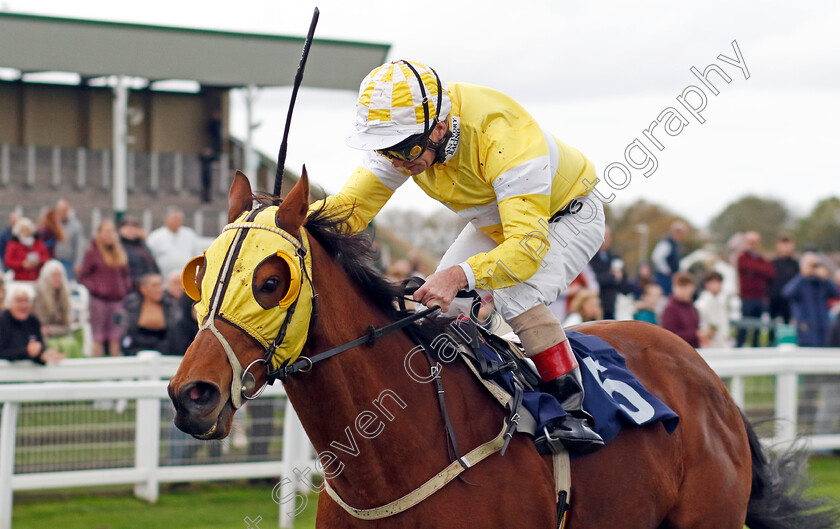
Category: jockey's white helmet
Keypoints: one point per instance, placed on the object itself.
(397, 100)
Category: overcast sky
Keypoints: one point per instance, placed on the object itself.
(596, 74)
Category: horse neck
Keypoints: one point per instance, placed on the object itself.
(337, 399)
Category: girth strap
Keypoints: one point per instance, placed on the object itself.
(562, 485)
(428, 488)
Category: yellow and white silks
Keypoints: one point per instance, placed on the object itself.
(227, 288)
(502, 173)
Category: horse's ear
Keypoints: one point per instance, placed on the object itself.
(292, 212)
(240, 196)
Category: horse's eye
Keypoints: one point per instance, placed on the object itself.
(270, 286)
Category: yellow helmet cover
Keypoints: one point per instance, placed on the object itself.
(227, 289)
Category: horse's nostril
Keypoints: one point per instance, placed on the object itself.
(199, 396)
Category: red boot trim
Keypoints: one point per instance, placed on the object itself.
(555, 361)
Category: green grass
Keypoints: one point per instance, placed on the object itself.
(825, 471)
(197, 506)
(221, 505)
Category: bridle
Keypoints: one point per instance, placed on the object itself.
(243, 380)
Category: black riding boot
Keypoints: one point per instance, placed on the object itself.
(574, 429)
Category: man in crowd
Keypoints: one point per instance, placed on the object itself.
(140, 259)
(786, 267)
(666, 255)
(809, 292)
(610, 275)
(754, 276)
(173, 244)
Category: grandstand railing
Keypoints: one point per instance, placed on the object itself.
(796, 386)
(142, 380)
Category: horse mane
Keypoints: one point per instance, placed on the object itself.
(354, 252)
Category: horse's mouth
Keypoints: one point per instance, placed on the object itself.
(199, 429)
(209, 433)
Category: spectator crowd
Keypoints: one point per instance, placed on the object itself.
(134, 299)
(777, 297)
(129, 285)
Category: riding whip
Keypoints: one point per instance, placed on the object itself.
(281, 156)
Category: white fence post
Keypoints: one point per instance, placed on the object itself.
(147, 435)
(787, 402)
(736, 389)
(8, 430)
(293, 454)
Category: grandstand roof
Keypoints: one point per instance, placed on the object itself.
(91, 48)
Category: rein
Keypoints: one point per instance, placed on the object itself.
(458, 465)
(305, 363)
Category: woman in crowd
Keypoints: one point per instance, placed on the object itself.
(25, 253)
(150, 317)
(49, 230)
(20, 331)
(52, 308)
(104, 272)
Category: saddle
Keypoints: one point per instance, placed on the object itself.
(503, 370)
(500, 366)
(613, 395)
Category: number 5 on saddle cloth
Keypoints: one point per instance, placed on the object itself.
(614, 396)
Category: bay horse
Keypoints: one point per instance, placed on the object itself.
(710, 473)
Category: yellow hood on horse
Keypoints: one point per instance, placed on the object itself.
(227, 287)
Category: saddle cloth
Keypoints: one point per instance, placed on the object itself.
(613, 395)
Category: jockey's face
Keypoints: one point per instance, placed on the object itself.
(425, 161)
(415, 167)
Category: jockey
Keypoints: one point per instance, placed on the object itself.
(532, 228)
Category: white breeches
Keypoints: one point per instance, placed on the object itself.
(573, 241)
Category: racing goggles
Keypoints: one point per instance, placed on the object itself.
(410, 148)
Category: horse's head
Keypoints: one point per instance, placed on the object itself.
(254, 302)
